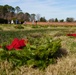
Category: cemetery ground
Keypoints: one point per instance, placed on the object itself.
(39, 36)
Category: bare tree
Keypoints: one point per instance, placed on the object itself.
(38, 17)
(32, 17)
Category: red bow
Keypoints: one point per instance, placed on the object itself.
(17, 44)
(71, 35)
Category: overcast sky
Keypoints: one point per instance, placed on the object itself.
(60, 9)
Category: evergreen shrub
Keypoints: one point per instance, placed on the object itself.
(38, 53)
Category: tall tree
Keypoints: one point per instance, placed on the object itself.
(68, 19)
(38, 17)
(20, 16)
(32, 17)
(51, 20)
(62, 20)
(27, 16)
(42, 19)
(1, 11)
(17, 9)
(56, 20)
(9, 12)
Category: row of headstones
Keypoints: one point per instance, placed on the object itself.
(14, 22)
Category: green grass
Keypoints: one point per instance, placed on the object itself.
(64, 66)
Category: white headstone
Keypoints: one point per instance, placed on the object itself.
(12, 22)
